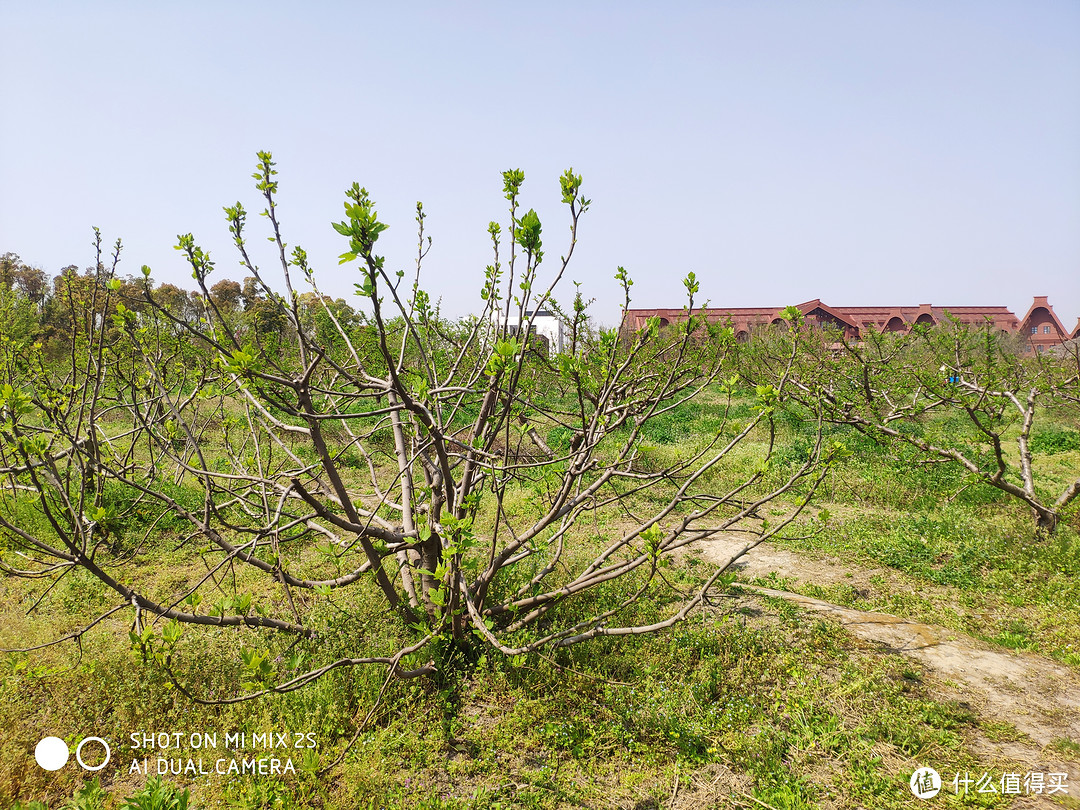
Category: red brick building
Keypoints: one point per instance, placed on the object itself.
(1043, 327)
(1040, 323)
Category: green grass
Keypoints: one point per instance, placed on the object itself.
(781, 698)
(952, 551)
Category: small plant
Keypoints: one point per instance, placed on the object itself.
(1066, 746)
(261, 795)
(157, 795)
(89, 797)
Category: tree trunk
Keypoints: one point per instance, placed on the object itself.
(1046, 521)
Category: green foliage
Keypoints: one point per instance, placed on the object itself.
(157, 795)
(1055, 440)
(362, 229)
(258, 669)
(89, 797)
(527, 234)
(260, 794)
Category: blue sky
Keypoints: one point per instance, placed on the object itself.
(860, 152)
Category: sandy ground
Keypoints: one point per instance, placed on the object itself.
(1040, 697)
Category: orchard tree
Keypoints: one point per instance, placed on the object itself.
(895, 387)
(452, 478)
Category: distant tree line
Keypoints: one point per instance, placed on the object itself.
(37, 308)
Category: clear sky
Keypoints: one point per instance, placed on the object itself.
(861, 152)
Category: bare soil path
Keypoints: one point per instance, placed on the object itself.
(1040, 697)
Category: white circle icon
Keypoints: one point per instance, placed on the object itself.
(100, 765)
(51, 753)
(925, 783)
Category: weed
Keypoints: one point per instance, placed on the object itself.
(1001, 730)
(1054, 440)
(1065, 746)
(157, 795)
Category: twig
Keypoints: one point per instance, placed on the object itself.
(756, 800)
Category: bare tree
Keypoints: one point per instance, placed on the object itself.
(447, 467)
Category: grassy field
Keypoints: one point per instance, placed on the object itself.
(751, 703)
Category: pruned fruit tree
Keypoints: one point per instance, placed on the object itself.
(266, 458)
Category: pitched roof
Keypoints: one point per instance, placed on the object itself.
(1043, 302)
(839, 313)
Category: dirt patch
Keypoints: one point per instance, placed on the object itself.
(1039, 697)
